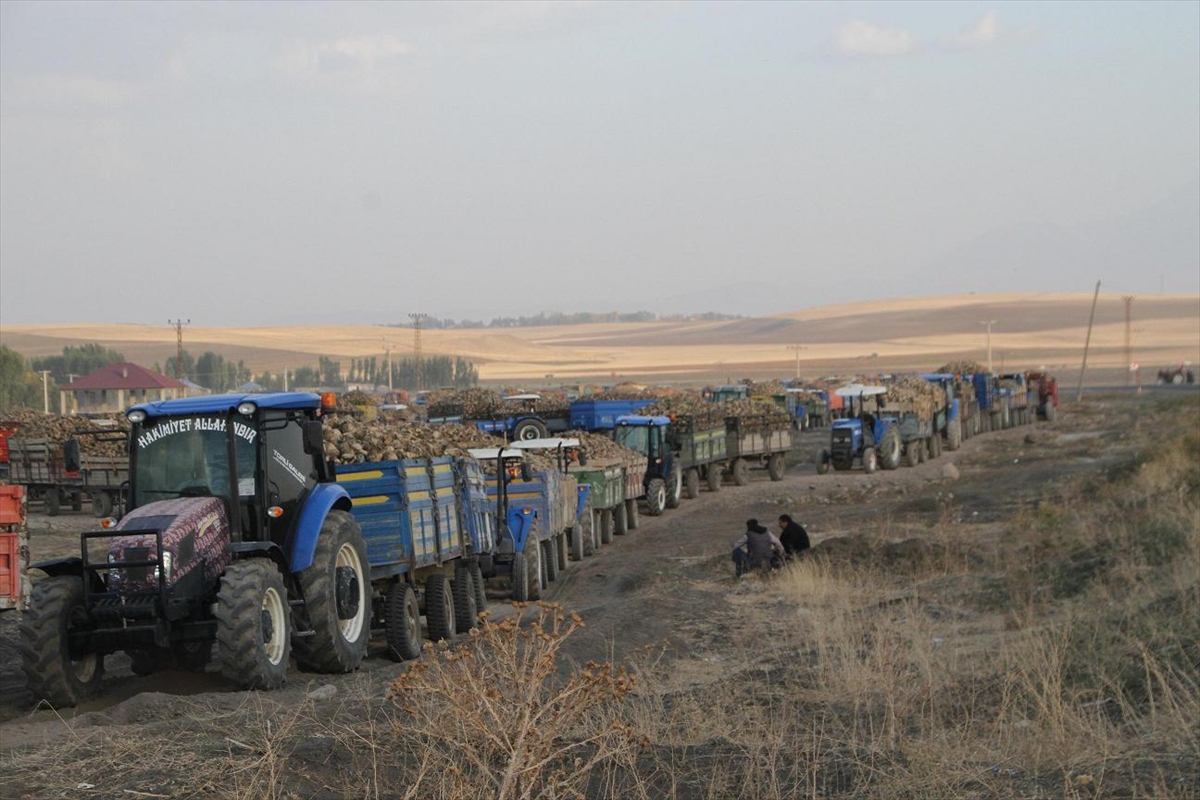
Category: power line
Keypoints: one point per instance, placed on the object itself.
(420, 365)
(178, 325)
(797, 348)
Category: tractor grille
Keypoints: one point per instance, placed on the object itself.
(137, 575)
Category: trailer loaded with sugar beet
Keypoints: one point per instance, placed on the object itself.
(240, 539)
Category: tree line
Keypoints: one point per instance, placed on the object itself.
(565, 318)
(21, 382)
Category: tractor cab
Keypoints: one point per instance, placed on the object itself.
(719, 394)
(646, 435)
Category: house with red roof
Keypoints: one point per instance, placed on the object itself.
(114, 388)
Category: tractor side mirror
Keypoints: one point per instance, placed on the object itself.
(314, 442)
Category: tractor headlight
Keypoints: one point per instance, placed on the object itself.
(136, 416)
(167, 564)
(113, 574)
(247, 409)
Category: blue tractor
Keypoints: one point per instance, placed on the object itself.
(864, 436)
(236, 539)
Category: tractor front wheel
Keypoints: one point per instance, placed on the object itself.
(53, 674)
(254, 625)
(337, 592)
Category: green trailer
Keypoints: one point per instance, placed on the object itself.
(607, 481)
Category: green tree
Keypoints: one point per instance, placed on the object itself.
(188, 366)
(20, 387)
(77, 360)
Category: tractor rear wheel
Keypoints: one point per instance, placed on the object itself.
(439, 608)
(51, 674)
(337, 591)
(478, 587)
(528, 429)
(402, 619)
(254, 625)
(520, 577)
(674, 487)
(691, 484)
(656, 497)
(578, 547)
(889, 449)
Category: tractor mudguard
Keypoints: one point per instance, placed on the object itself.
(581, 501)
(242, 550)
(320, 500)
(66, 565)
(520, 523)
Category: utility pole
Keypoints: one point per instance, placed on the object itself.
(45, 391)
(387, 356)
(797, 348)
(989, 323)
(420, 363)
(1128, 298)
(1087, 343)
(178, 325)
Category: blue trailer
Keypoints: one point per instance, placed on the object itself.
(600, 415)
(423, 542)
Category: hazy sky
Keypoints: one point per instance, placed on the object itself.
(258, 163)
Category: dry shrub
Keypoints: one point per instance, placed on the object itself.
(495, 718)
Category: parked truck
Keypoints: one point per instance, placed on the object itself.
(238, 538)
(58, 474)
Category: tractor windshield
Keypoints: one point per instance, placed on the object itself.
(635, 437)
(189, 456)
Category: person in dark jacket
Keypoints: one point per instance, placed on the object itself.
(762, 549)
(793, 536)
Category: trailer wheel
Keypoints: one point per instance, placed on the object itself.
(402, 622)
(674, 487)
(520, 577)
(870, 460)
(606, 526)
(912, 453)
(741, 472)
(254, 630)
(712, 476)
(620, 521)
(823, 461)
(954, 434)
(563, 555)
(776, 466)
(550, 558)
(656, 497)
(631, 514)
(889, 449)
(528, 429)
(691, 484)
(102, 504)
(439, 608)
(336, 589)
(51, 674)
(53, 502)
(477, 586)
(466, 610)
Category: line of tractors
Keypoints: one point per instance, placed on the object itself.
(235, 537)
(878, 430)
